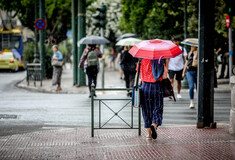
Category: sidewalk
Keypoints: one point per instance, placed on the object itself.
(112, 80)
(185, 142)
(178, 142)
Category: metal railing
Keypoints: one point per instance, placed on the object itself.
(34, 73)
(114, 113)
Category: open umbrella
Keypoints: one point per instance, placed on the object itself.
(127, 35)
(190, 42)
(128, 42)
(155, 49)
(93, 40)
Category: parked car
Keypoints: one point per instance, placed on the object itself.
(9, 61)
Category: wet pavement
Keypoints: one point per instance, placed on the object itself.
(75, 142)
(182, 142)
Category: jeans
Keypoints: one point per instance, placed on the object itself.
(192, 79)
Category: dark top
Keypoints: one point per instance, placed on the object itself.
(190, 62)
(128, 62)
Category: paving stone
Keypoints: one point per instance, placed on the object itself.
(181, 142)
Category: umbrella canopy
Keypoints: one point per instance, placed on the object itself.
(128, 42)
(127, 35)
(155, 49)
(93, 40)
(190, 42)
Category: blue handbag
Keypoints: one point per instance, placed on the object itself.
(136, 93)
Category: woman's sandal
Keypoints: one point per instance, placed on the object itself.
(154, 132)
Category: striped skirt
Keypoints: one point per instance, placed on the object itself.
(152, 103)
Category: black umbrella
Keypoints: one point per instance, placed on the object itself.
(93, 40)
(127, 35)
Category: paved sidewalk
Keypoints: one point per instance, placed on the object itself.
(176, 143)
(112, 80)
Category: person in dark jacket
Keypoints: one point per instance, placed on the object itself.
(128, 65)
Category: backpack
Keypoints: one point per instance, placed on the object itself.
(92, 59)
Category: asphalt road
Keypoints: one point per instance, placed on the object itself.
(23, 111)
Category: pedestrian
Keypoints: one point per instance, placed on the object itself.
(112, 60)
(176, 66)
(118, 59)
(223, 52)
(151, 74)
(128, 65)
(191, 67)
(91, 64)
(57, 69)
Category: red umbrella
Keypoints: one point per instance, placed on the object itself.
(154, 49)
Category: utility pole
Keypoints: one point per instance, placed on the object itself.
(102, 60)
(42, 38)
(185, 81)
(74, 36)
(100, 23)
(206, 64)
(36, 56)
(230, 41)
(81, 34)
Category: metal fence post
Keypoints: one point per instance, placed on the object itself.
(139, 114)
(92, 109)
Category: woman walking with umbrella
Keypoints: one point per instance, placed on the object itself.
(191, 68)
(152, 71)
(90, 57)
(91, 64)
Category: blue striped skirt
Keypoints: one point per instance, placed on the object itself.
(152, 103)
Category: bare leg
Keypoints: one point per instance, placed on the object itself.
(172, 83)
(148, 133)
(155, 125)
(179, 86)
(58, 87)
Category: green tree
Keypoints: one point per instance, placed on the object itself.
(152, 19)
(113, 15)
(164, 18)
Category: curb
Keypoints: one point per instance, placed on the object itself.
(21, 84)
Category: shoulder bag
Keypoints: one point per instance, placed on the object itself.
(57, 63)
(167, 88)
(136, 93)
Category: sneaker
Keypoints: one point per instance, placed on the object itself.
(179, 96)
(191, 106)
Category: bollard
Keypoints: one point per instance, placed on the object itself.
(232, 111)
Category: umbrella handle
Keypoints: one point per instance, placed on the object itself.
(160, 59)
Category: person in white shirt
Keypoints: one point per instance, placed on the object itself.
(176, 66)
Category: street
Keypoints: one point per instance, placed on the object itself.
(22, 111)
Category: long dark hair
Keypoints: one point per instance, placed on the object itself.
(92, 46)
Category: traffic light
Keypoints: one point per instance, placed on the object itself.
(100, 17)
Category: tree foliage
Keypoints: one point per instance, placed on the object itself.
(113, 15)
(57, 13)
(152, 18)
(165, 18)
